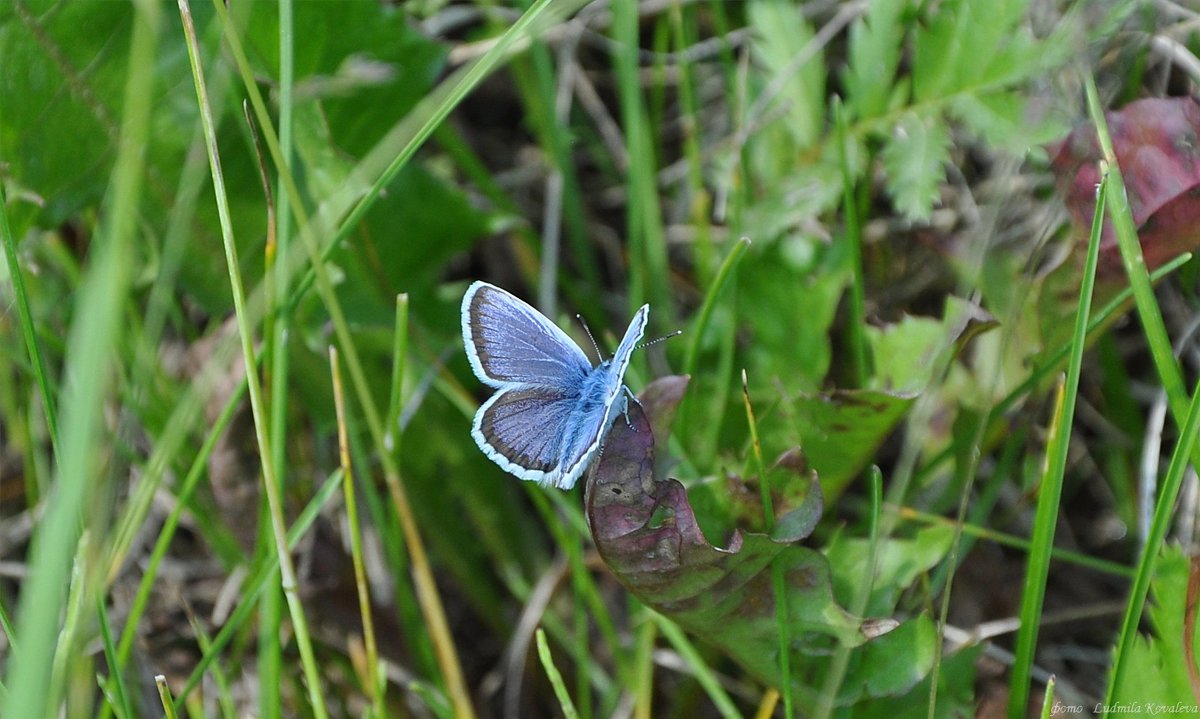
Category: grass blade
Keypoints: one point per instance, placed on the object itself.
(1050, 493)
(95, 332)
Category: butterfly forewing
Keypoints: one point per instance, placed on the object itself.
(508, 342)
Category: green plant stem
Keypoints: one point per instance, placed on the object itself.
(28, 330)
(710, 301)
(556, 680)
(95, 332)
(1050, 491)
(164, 695)
(1135, 266)
(648, 268)
(852, 237)
(373, 690)
(782, 616)
(1154, 542)
(116, 679)
(246, 335)
(704, 673)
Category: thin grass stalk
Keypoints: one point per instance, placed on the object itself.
(1048, 699)
(642, 686)
(37, 360)
(852, 236)
(1155, 540)
(399, 366)
(373, 690)
(700, 325)
(710, 300)
(683, 35)
(782, 617)
(556, 680)
(840, 661)
(1050, 491)
(220, 677)
(116, 679)
(95, 333)
(10, 634)
(1135, 268)
(65, 657)
(262, 573)
(570, 535)
(703, 673)
(246, 334)
(648, 268)
(274, 358)
(766, 707)
(164, 695)
(1007, 540)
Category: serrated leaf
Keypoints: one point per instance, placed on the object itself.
(876, 39)
(964, 42)
(781, 34)
(1158, 674)
(995, 117)
(914, 159)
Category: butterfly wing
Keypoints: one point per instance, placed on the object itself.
(600, 401)
(522, 428)
(509, 342)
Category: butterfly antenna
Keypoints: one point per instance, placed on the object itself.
(590, 337)
(664, 338)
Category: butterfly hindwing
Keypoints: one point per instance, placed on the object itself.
(509, 342)
(521, 429)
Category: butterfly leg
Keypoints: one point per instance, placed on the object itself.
(625, 410)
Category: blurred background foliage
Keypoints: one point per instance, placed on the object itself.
(911, 273)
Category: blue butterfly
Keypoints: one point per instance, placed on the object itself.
(552, 408)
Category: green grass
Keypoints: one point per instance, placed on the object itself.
(236, 468)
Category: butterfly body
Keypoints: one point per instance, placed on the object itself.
(552, 408)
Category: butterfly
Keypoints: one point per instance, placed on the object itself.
(552, 408)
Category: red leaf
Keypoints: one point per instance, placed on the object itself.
(1156, 143)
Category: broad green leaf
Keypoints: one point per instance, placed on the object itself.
(64, 69)
(914, 159)
(782, 44)
(898, 563)
(876, 39)
(794, 298)
(905, 353)
(359, 59)
(893, 664)
(955, 696)
(840, 430)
